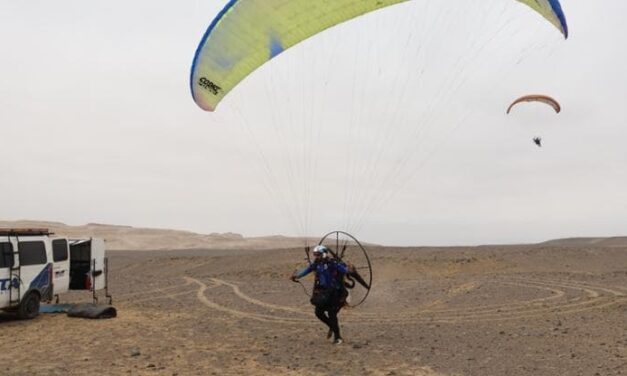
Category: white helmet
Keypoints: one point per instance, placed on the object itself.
(321, 249)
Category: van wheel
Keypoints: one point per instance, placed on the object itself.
(29, 307)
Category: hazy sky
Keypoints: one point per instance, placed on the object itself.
(98, 124)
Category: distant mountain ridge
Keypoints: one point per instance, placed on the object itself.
(612, 242)
(140, 239)
(120, 237)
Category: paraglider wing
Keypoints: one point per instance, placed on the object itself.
(248, 33)
(552, 11)
(536, 98)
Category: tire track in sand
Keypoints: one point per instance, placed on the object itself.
(200, 294)
(589, 297)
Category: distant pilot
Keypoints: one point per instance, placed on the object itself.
(538, 141)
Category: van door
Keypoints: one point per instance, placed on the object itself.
(98, 263)
(87, 267)
(6, 262)
(61, 266)
(80, 264)
(35, 270)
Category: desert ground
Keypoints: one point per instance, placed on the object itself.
(545, 309)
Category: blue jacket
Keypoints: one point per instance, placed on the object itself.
(328, 273)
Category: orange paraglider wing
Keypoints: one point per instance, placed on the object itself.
(537, 98)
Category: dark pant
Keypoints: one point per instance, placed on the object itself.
(328, 315)
(328, 308)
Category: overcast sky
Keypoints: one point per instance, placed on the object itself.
(98, 125)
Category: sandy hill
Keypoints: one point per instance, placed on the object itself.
(144, 239)
(136, 238)
(614, 241)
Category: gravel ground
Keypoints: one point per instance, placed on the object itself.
(515, 310)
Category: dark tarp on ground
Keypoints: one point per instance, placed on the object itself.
(92, 311)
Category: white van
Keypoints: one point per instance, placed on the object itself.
(36, 266)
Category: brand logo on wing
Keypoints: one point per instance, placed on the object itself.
(7, 283)
(207, 84)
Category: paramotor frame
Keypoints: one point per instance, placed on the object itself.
(346, 248)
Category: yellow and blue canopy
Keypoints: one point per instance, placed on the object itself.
(248, 33)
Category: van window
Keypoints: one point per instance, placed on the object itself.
(59, 250)
(32, 253)
(6, 255)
